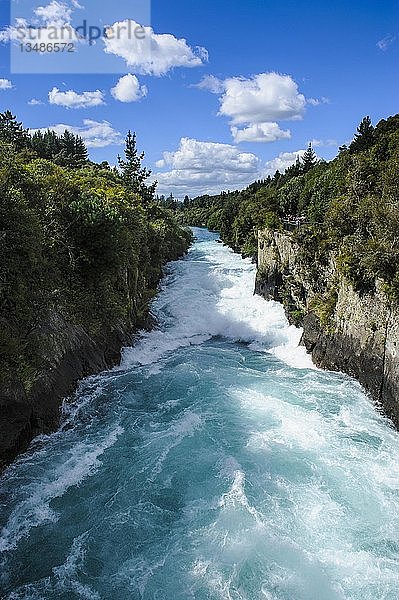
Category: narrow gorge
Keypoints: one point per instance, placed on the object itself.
(199, 300)
(216, 462)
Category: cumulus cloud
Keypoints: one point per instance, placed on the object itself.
(5, 84)
(72, 99)
(198, 167)
(151, 53)
(282, 162)
(35, 102)
(262, 98)
(386, 41)
(96, 134)
(128, 89)
(50, 23)
(260, 132)
(55, 13)
(254, 105)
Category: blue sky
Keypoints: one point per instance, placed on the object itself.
(274, 77)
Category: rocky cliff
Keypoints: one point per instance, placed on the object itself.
(344, 330)
(72, 354)
(68, 353)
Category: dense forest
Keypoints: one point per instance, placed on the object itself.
(79, 240)
(349, 207)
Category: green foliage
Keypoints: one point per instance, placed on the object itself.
(67, 150)
(12, 132)
(324, 307)
(134, 175)
(77, 242)
(364, 138)
(309, 160)
(348, 208)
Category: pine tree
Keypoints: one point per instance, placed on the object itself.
(134, 175)
(38, 144)
(68, 143)
(81, 154)
(309, 159)
(13, 132)
(69, 150)
(171, 202)
(295, 169)
(52, 144)
(364, 138)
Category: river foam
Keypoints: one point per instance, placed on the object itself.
(211, 294)
(215, 463)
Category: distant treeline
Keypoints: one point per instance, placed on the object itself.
(66, 150)
(350, 206)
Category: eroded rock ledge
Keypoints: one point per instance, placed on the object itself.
(344, 330)
(73, 356)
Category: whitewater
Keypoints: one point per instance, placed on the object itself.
(216, 462)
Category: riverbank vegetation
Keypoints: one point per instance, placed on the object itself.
(78, 239)
(349, 207)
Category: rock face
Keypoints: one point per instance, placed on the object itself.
(344, 330)
(70, 355)
(73, 355)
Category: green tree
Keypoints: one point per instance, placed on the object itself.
(73, 152)
(309, 159)
(12, 132)
(134, 175)
(364, 138)
(67, 150)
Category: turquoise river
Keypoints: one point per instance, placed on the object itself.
(215, 463)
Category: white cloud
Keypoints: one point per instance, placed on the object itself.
(35, 102)
(387, 41)
(263, 98)
(318, 101)
(212, 84)
(260, 132)
(128, 89)
(71, 99)
(50, 23)
(282, 162)
(205, 167)
(96, 134)
(5, 84)
(197, 168)
(257, 104)
(55, 13)
(151, 53)
(324, 143)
